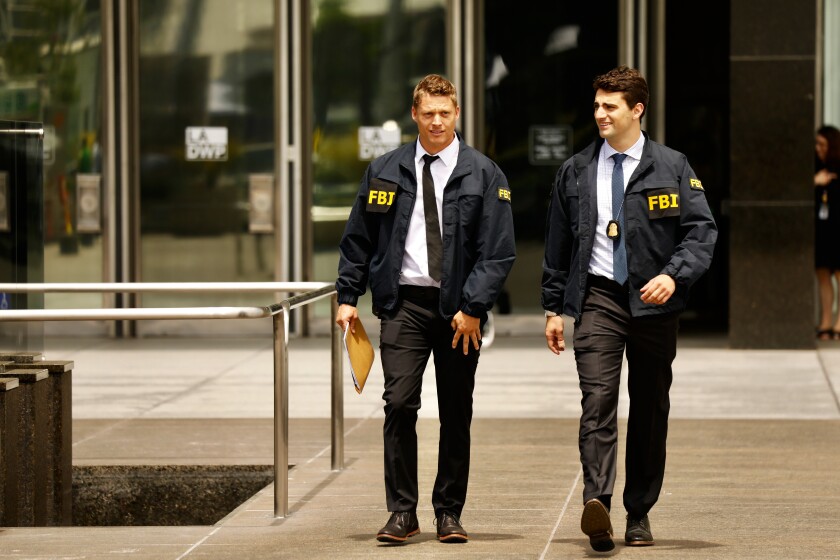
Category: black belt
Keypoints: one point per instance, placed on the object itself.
(606, 284)
(419, 293)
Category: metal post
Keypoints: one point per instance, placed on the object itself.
(455, 46)
(469, 90)
(657, 117)
(281, 415)
(282, 150)
(626, 33)
(642, 39)
(337, 392)
(109, 160)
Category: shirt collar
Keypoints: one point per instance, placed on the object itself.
(634, 151)
(448, 155)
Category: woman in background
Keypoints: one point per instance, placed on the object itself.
(827, 238)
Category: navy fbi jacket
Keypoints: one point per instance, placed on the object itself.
(668, 225)
(478, 243)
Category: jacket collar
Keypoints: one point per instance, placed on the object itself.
(462, 168)
(589, 156)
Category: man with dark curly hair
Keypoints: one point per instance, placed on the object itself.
(628, 232)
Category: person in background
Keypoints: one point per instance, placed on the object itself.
(628, 232)
(827, 227)
(431, 231)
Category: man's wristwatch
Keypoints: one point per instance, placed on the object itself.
(550, 314)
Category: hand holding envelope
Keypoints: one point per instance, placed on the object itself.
(360, 351)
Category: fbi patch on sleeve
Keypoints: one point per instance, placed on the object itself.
(696, 184)
(504, 194)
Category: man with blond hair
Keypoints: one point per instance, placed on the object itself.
(431, 232)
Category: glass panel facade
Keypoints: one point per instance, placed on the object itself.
(367, 56)
(207, 123)
(541, 59)
(50, 72)
(206, 114)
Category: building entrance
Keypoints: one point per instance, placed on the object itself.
(168, 157)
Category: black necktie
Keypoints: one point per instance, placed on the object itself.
(434, 247)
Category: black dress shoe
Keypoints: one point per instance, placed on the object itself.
(638, 532)
(449, 529)
(400, 526)
(595, 522)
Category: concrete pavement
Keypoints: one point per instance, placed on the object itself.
(754, 449)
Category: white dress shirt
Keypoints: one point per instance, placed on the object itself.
(415, 263)
(601, 263)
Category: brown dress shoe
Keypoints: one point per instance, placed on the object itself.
(638, 532)
(595, 522)
(400, 526)
(449, 529)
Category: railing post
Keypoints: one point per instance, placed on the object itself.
(337, 391)
(281, 414)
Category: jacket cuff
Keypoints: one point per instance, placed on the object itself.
(670, 271)
(347, 299)
(473, 309)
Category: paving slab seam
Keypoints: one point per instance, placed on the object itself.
(562, 513)
(828, 379)
(199, 543)
(203, 382)
(103, 431)
(248, 505)
(346, 433)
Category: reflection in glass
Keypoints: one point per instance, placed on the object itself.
(367, 56)
(21, 229)
(50, 73)
(204, 64)
(540, 61)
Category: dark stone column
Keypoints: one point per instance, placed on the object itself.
(59, 438)
(772, 155)
(9, 432)
(32, 448)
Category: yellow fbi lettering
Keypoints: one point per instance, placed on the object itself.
(504, 194)
(381, 198)
(663, 201)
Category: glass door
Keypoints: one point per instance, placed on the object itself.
(50, 72)
(206, 151)
(540, 60)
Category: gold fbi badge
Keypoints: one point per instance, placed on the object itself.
(504, 194)
(696, 184)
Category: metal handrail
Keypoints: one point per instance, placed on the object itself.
(171, 287)
(277, 311)
(27, 131)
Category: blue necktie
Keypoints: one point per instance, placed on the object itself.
(619, 251)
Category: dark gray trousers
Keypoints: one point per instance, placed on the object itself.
(605, 330)
(408, 337)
